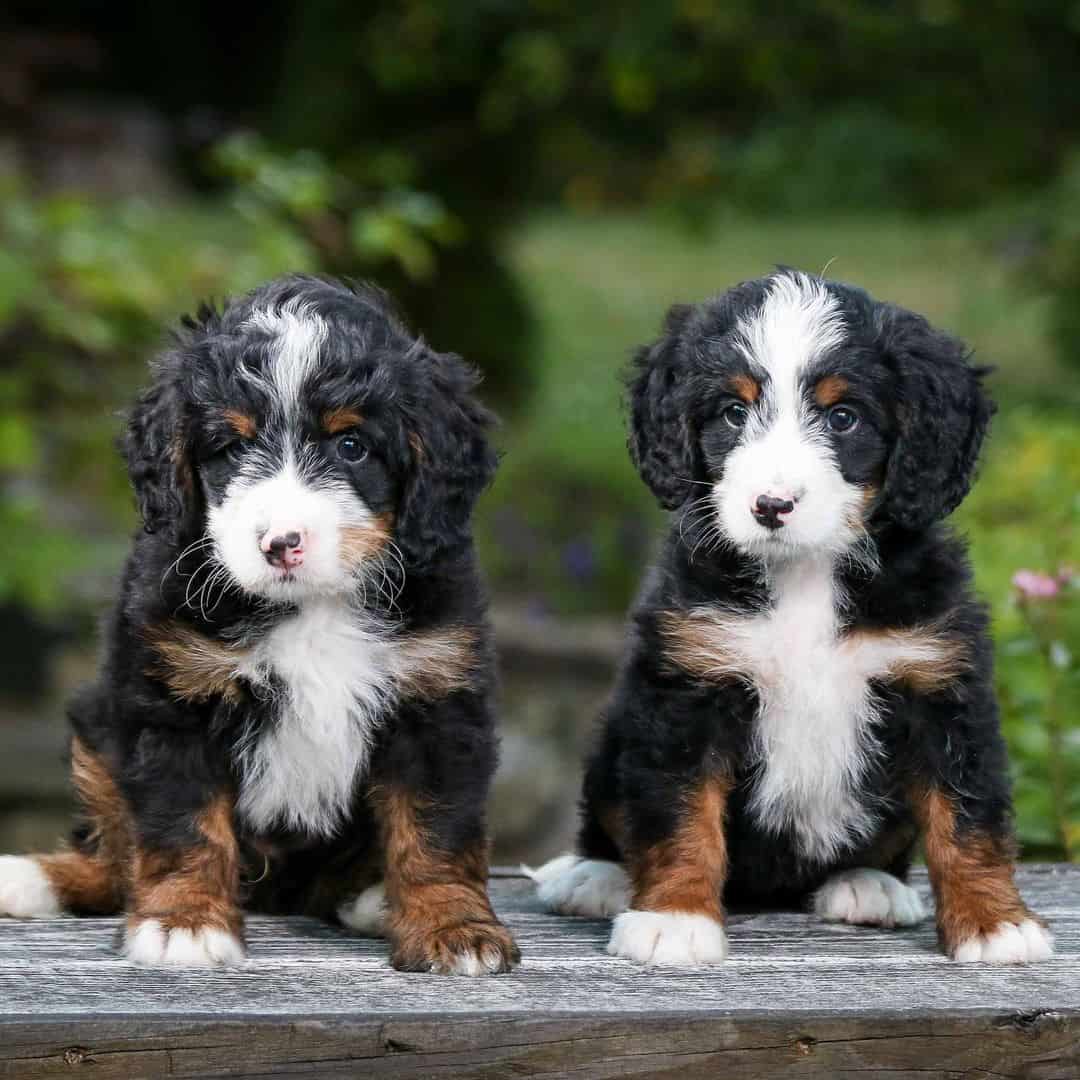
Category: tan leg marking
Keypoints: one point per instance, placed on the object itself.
(687, 872)
(440, 918)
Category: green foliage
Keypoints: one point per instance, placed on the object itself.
(920, 103)
(354, 228)
(1057, 262)
(1025, 513)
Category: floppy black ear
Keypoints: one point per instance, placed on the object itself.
(450, 462)
(660, 439)
(155, 445)
(942, 416)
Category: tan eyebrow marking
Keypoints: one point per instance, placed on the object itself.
(335, 420)
(747, 387)
(241, 423)
(829, 390)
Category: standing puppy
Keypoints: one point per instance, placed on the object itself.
(807, 686)
(293, 713)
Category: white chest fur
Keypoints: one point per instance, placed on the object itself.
(814, 734)
(336, 676)
(814, 731)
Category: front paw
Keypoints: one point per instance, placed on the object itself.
(1009, 943)
(668, 939)
(152, 943)
(466, 949)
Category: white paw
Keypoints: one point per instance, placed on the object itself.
(25, 892)
(574, 886)
(1010, 943)
(668, 939)
(366, 913)
(487, 960)
(151, 945)
(869, 897)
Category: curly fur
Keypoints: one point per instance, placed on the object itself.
(825, 667)
(274, 696)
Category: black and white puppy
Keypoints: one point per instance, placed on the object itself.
(294, 709)
(807, 686)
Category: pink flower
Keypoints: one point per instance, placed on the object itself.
(1035, 586)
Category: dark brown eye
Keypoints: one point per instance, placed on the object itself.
(841, 418)
(351, 449)
(736, 415)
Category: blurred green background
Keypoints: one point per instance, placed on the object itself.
(536, 182)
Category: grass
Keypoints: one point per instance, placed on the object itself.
(568, 524)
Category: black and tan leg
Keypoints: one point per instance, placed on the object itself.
(90, 877)
(437, 913)
(677, 870)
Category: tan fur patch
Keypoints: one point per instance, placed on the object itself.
(708, 644)
(417, 446)
(241, 423)
(193, 666)
(438, 904)
(338, 420)
(435, 663)
(922, 658)
(193, 887)
(357, 543)
(687, 872)
(746, 387)
(93, 882)
(185, 476)
(702, 642)
(859, 515)
(972, 874)
(831, 389)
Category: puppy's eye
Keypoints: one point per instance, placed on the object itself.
(736, 415)
(841, 418)
(351, 449)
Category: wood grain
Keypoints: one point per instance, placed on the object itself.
(798, 997)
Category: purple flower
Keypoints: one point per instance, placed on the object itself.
(1031, 585)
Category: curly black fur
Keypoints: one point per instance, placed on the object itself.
(171, 753)
(667, 730)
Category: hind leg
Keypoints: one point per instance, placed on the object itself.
(868, 897)
(86, 881)
(593, 884)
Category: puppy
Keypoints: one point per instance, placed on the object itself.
(807, 686)
(294, 709)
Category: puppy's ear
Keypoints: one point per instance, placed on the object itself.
(942, 416)
(660, 438)
(450, 459)
(155, 445)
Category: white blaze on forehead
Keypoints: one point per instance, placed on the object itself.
(798, 323)
(784, 451)
(298, 334)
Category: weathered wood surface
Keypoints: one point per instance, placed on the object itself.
(797, 998)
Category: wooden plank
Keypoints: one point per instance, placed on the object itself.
(797, 997)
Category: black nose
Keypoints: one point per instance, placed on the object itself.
(768, 509)
(280, 544)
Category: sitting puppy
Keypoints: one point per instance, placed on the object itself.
(807, 686)
(293, 713)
